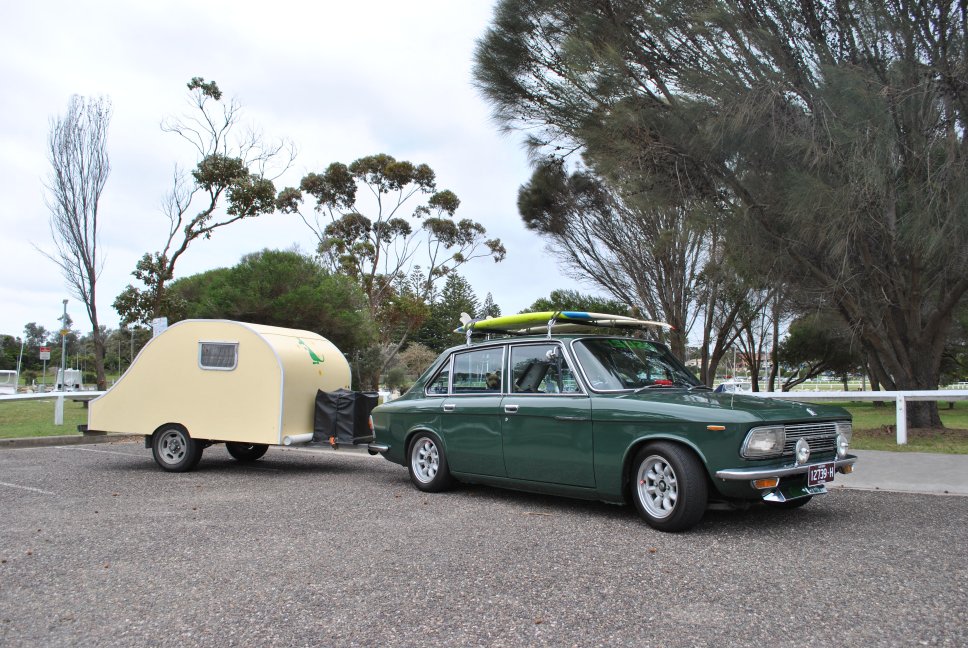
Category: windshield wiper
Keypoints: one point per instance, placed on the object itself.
(701, 387)
(672, 385)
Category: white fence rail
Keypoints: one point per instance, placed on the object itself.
(900, 399)
(56, 396)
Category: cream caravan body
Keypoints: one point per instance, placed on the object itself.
(223, 381)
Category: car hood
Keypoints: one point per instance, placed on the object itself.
(712, 407)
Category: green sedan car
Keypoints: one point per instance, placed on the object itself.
(617, 419)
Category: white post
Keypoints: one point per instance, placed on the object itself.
(59, 410)
(901, 420)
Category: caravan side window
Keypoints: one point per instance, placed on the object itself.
(220, 356)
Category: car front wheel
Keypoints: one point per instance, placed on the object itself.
(668, 486)
(428, 465)
(175, 450)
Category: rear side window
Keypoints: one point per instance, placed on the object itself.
(479, 372)
(218, 356)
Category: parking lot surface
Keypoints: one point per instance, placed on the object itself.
(99, 547)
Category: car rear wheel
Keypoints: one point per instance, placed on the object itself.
(668, 486)
(246, 452)
(175, 450)
(428, 465)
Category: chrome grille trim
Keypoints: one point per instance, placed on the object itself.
(822, 437)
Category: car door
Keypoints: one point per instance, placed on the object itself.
(471, 413)
(546, 423)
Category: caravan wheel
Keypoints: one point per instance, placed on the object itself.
(174, 450)
(246, 452)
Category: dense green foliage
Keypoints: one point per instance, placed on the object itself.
(280, 289)
(456, 297)
(814, 346)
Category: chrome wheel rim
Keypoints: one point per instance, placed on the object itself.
(172, 446)
(657, 486)
(425, 460)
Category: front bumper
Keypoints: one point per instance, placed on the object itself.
(789, 487)
(377, 448)
(749, 474)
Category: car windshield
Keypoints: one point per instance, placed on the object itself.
(615, 364)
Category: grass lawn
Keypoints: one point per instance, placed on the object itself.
(36, 418)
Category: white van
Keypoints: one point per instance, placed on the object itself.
(70, 382)
(8, 381)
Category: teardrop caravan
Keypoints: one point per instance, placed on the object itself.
(208, 381)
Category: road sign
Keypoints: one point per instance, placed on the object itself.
(45, 353)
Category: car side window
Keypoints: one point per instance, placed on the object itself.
(541, 369)
(441, 382)
(479, 371)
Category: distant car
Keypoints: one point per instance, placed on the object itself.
(607, 417)
(733, 385)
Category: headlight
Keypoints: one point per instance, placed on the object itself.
(764, 442)
(846, 430)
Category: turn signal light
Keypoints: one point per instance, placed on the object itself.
(715, 428)
(769, 482)
(847, 469)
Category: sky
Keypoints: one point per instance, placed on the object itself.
(340, 79)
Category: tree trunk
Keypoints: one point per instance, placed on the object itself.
(99, 350)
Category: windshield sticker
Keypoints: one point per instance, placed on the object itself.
(632, 344)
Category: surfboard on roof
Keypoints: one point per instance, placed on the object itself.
(564, 321)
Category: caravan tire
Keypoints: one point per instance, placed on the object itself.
(175, 450)
(246, 452)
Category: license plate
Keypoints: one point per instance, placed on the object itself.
(821, 473)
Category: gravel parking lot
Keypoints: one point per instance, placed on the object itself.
(101, 548)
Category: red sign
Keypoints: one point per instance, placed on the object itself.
(45, 349)
(45, 353)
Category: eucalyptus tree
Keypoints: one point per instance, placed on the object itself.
(384, 222)
(835, 131)
(232, 180)
(78, 155)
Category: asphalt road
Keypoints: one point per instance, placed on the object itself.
(99, 547)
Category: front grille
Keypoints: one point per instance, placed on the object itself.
(822, 437)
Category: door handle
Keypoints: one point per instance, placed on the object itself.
(450, 407)
(510, 409)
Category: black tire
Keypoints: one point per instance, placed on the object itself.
(668, 485)
(427, 463)
(175, 450)
(790, 504)
(246, 452)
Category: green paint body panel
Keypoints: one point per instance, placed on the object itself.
(581, 445)
(549, 439)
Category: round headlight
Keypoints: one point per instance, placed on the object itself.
(842, 443)
(802, 451)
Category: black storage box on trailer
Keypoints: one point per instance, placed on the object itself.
(343, 416)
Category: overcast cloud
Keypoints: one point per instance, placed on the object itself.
(341, 79)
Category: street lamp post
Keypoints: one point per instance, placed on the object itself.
(63, 333)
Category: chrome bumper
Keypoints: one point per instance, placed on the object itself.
(375, 448)
(785, 471)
